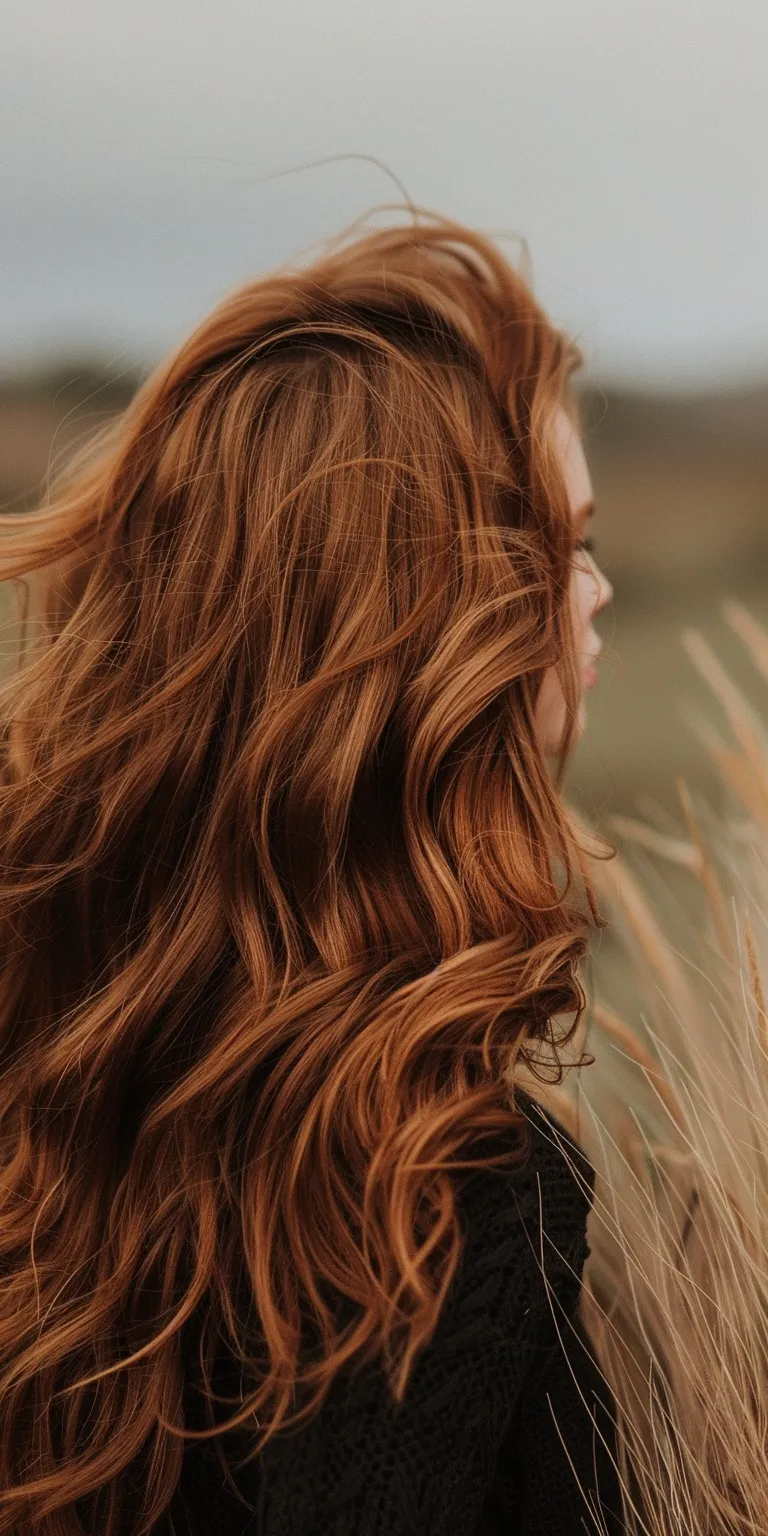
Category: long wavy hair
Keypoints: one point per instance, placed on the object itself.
(287, 886)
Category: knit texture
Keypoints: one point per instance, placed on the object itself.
(476, 1448)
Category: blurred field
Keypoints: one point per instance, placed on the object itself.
(682, 524)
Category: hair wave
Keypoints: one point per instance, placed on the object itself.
(287, 886)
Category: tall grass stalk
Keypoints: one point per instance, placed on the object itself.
(674, 1116)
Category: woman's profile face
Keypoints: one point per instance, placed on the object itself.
(589, 593)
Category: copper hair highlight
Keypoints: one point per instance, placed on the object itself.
(287, 886)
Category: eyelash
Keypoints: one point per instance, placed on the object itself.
(588, 545)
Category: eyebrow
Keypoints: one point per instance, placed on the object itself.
(588, 510)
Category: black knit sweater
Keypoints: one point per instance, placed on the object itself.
(474, 1450)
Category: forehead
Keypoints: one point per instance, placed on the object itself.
(574, 464)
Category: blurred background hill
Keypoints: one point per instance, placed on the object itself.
(681, 485)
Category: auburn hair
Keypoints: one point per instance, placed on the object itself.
(287, 886)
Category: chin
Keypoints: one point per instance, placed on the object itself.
(558, 739)
(552, 731)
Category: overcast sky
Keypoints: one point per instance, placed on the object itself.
(625, 139)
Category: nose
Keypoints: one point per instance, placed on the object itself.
(604, 593)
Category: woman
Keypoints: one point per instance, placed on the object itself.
(288, 891)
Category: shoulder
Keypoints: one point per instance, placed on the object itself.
(526, 1225)
(558, 1167)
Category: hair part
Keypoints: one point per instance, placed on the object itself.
(287, 885)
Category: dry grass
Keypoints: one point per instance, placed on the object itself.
(675, 1119)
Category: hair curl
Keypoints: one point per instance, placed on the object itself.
(286, 886)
